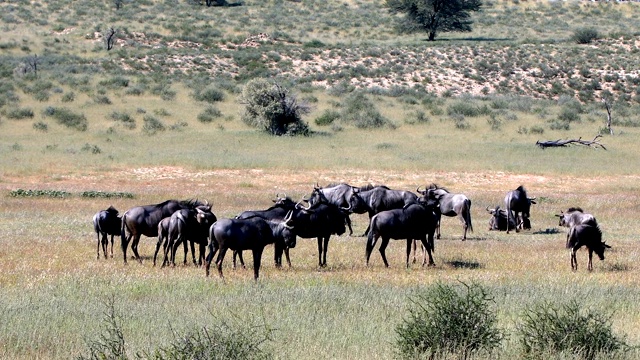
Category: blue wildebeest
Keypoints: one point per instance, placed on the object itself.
(106, 222)
(143, 220)
(450, 205)
(575, 216)
(517, 202)
(374, 199)
(188, 225)
(163, 237)
(499, 219)
(336, 194)
(247, 234)
(589, 236)
(416, 221)
(318, 221)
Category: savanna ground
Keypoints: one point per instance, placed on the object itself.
(468, 121)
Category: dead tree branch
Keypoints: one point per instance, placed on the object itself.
(563, 143)
(608, 107)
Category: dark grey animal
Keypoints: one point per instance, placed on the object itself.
(338, 195)
(450, 205)
(518, 206)
(188, 225)
(106, 222)
(377, 199)
(247, 234)
(589, 236)
(499, 219)
(163, 237)
(575, 216)
(143, 220)
(416, 221)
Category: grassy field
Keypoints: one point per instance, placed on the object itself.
(465, 113)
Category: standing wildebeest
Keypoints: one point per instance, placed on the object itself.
(338, 195)
(499, 219)
(163, 237)
(374, 199)
(450, 205)
(247, 234)
(416, 221)
(106, 222)
(517, 202)
(143, 220)
(589, 236)
(192, 225)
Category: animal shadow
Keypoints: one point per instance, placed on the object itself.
(464, 264)
(547, 231)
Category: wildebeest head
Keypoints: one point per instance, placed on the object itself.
(599, 249)
(288, 233)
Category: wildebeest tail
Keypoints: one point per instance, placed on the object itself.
(468, 214)
(123, 237)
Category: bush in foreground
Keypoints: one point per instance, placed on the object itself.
(448, 320)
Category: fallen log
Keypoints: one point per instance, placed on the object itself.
(563, 143)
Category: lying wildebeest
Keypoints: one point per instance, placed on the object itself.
(589, 236)
(517, 202)
(575, 216)
(499, 219)
(336, 194)
(450, 205)
(192, 225)
(374, 199)
(106, 222)
(416, 221)
(247, 234)
(143, 220)
(282, 206)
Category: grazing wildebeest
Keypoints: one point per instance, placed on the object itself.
(337, 195)
(247, 234)
(319, 221)
(192, 225)
(450, 205)
(143, 220)
(106, 222)
(589, 236)
(517, 202)
(416, 221)
(374, 199)
(499, 219)
(575, 216)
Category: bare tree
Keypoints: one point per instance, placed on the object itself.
(110, 39)
(32, 63)
(608, 107)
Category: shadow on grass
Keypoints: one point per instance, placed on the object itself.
(617, 267)
(464, 264)
(547, 231)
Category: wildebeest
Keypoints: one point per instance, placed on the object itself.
(589, 236)
(247, 234)
(374, 199)
(575, 216)
(163, 237)
(450, 205)
(499, 219)
(188, 225)
(416, 221)
(106, 222)
(336, 194)
(517, 202)
(143, 220)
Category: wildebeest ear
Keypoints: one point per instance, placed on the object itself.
(532, 200)
(606, 246)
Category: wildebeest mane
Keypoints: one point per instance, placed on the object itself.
(572, 209)
(112, 210)
(435, 186)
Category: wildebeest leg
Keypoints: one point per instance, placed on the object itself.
(193, 253)
(409, 243)
(438, 229)
(414, 248)
(366, 232)
(427, 243)
(238, 254)
(325, 241)
(202, 249)
(371, 242)
(223, 251)
(348, 222)
(155, 254)
(111, 247)
(257, 258)
(590, 264)
(134, 247)
(286, 254)
(124, 243)
(574, 261)
(213, 248)
(98, 251)
(383, 247)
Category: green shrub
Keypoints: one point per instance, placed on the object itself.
(40, 126)
(39, 193)
(67, 118)
(124, 118)
(106, 194)
(327, 117)
(102, 99)
(94, 149)
(584, 35)
(115, 82)
(568, 328)
(361, 112)
(209, 114)
(467, 108)
(20, 113)
(152, 125)
(445, 319)
(210, 95)
(111, 342)
(68, 97)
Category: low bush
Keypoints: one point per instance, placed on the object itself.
(448, 320)
(209, 114)
(361, 112)
(107, 194)
(39, 193)
(209, 94)
(68, 97)
(20, 113)
(568, 328)
(125, 119)
(327, 117)
(66, 117)
(584, 35)
(41, 126)
(152, 125)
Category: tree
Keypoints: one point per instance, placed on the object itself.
(434, 16)
(110, 38)
(270, 106)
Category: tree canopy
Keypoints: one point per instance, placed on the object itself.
(434, 16)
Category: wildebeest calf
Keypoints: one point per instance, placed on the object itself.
(106, 222)
(589, 236)
(575, 216)
(499, 220)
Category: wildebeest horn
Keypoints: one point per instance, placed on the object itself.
(418, 190)
(287, 220)
(299, 204)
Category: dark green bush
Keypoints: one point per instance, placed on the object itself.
(209, 114)
(210, 95)
(361, 112)
(68, 97)
(115, 82)
(467, 108)
(94, 149)
(152, 125)
(67, 118)
(448, 320)
(584, 35)
(39, 193)
(568, 328)
(106, 194)
(327, 117)
(40, 126)
(20, 113)
(125, 119)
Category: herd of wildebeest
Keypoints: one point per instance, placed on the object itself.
(393, 214)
